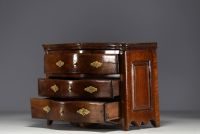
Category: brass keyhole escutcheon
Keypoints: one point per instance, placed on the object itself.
(96, 64)
(90, 89)
(60, 63)
(47, 109)
(83, 111)
(54, 88)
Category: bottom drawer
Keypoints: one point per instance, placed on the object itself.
(75, 111)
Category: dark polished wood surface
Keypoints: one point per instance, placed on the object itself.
(82, 76)
(140, 96)
(99, 83)
(75, 111)
(78, 88)
(98, 46)
(80, 63)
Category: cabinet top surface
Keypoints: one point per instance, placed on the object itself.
(99, 46)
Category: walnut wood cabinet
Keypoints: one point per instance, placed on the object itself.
(99, 83)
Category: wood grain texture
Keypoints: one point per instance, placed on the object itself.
(141, 85)
(76, 88)
(67, 110)
(146, 95)
(97, 46)
(80, 63)
(99, 83)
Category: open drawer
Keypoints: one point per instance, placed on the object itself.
(75, 111)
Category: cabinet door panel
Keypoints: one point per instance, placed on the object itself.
(141, 85)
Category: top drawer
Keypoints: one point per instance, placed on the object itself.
(57, 63)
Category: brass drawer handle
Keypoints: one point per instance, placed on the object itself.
(60, 63)
(90, 89)
(96, 64)
(46, 109)
(54, 88)
(83, 111)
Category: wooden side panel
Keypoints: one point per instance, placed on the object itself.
(112, 111)
(115, 87)
(37, 108)
(141, 96)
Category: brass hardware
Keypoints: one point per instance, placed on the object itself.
(54, 88)
(96, 64)
(90, 89)
(60, 63)
(47, 109)
(83, 111)
(61, 111)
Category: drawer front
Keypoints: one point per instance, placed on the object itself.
(78, 88)
(59, 63)
(75, 111)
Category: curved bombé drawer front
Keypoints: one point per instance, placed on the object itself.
(75, 111)
(78, 88)
(61, 62)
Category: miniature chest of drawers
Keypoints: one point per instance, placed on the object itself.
(99, 83)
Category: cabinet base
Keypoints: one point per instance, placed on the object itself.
(115, 125)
